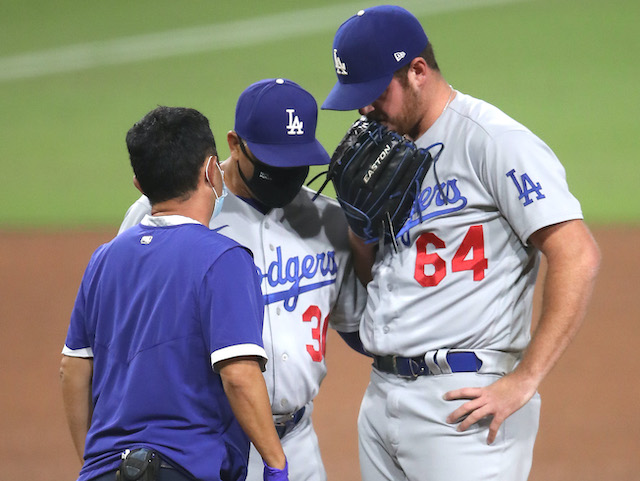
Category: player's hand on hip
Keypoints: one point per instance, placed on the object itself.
(499, 400)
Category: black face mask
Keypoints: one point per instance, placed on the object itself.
(273, 186)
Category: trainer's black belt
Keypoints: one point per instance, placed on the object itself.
(412, 367)
(166, 473)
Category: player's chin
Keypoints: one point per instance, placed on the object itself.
(386, 121)
(388, 124)
(395, 126)
(378, 117)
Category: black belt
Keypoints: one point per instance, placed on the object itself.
(289, 422)
(412, 367)
(166, 473)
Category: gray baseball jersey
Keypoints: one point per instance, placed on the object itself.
(464, 274)
(303, 257)
(463, 278)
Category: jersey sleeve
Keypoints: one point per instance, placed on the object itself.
(349, 306)
(232, 308)
(135, 213)
(528, 183)
(78, 341)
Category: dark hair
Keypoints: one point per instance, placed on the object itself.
(428, 55)
(167, 148)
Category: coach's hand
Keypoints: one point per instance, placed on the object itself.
(500, 400)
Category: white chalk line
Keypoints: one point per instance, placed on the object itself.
(215, 37)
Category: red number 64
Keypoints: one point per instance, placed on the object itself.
(473, 243)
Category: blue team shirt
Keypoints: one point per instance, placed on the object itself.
(157, 307)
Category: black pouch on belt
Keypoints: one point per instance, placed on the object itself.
(140, 464)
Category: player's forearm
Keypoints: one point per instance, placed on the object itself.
(352, 339)
(363, 257)
(75, 378)
(572, 264)
(247, 393)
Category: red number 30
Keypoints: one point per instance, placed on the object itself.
(318, 333)
(472, 243)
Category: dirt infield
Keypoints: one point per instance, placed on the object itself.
(590, 427)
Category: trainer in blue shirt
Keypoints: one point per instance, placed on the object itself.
(162, 365)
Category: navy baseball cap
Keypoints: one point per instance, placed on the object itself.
(277, 118)
(367, 49)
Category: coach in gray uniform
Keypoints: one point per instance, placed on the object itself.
(301, 249)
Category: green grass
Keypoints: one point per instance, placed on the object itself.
(566, 69)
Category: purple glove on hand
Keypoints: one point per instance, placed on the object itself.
(273, 474)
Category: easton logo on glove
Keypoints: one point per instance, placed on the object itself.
(374, 167)
(377, 175)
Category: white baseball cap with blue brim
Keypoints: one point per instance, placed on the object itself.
(277, 119)
(367, 49)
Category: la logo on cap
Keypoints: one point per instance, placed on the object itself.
(295, 125)
(341, 67)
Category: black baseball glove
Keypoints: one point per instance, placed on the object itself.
(377, 174)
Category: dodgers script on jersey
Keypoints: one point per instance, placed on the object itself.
(303, 258)
(467, 241)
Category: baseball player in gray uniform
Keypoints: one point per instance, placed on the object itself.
(301, 250)
(453, 390)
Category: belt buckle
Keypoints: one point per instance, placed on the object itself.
(414, 367)
(284, 425)
(286, 422)
(284, 419)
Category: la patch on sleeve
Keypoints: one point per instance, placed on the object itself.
(526, 187)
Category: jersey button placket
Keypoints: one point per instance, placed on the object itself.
(380, 327)
(266, 282)
(265, 227)
(391, 314)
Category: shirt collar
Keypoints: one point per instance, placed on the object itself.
(166, 220)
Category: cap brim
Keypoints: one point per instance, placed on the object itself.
(353, 96)
(290, 155)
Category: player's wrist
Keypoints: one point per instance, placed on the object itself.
(526, 380)
(276, 460)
